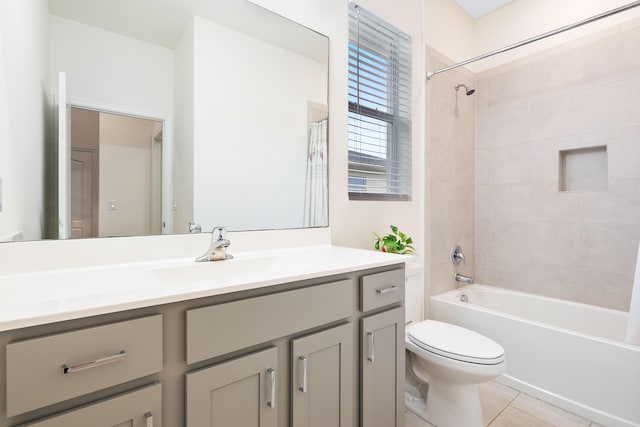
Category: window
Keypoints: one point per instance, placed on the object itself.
(379, 109)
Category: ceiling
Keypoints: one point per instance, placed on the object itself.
(477, 8)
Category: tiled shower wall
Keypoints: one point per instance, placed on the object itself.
(450, 134)
(579, 245)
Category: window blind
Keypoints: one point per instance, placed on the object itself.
(379, 132)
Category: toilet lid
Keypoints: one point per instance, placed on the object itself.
(455, 342)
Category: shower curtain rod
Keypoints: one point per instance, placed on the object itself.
(536, 38)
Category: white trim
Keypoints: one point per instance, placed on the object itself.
(64, 160)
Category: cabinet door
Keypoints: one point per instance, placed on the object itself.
(382, 364)
(322, 378)
(140, 408)
(238, 393)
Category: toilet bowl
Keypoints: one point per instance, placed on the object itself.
(446, 362)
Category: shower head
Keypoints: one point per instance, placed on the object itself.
(468, 90)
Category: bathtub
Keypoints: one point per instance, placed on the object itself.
(568, 354)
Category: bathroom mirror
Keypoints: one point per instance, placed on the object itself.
(235, 97)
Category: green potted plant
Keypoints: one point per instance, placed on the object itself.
(395, 242)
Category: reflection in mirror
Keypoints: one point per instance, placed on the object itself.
(116, 164)
(238, 96)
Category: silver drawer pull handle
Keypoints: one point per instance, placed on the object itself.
(149, 419)
(303, 374)
(387, 290)
(271, 403)
(371, 355)
(94, 363)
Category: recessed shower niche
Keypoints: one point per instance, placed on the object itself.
(584, 169)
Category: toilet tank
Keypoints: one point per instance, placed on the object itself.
(414, 292)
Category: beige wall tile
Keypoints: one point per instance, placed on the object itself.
(461, 203)
(509, 164)
(482, 129)
(556, 115)
(482, 167)
(442, 277)
(543, 161)
(608, 288)
(509, 241)
(481, 203)
(481, 251)
(440, 163)
(611, 247)
(462, 166)
(510, 203)
(611, 106)
(529, 235)
(508, 125)
(510, 86)
(451, 135)
(612, 58)
(558, 73)
(619, 205)
(557, 282)
(549, 204)
(554, 244)
(623, 149)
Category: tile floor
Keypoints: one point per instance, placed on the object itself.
(505, 407)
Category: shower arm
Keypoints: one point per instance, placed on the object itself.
(536, 38)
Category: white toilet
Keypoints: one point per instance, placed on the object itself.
(446, 362)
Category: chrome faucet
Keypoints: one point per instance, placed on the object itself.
(462, 278)
(218, 249)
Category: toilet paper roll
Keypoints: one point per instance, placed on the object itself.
(633, 325)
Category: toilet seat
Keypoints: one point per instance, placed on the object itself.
(456, 343)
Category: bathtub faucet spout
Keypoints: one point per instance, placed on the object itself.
(462, 278)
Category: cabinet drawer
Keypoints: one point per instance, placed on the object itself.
(381, 289)
(51, 369)
(219, 329)
(139, 408)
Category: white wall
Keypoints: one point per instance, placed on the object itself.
(24, 103)
(250, 129)
(353, 222)
(449, 30)
(184, 123)
(522, 19)
(123, 72)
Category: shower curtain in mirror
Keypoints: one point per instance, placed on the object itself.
(316, 203)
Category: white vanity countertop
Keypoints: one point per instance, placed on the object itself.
(30, 299)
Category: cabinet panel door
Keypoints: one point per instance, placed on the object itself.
(382, 362)
(140, 408)
(322, 378)
(239, 393)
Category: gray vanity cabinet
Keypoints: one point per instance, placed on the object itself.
(283, 355)
(240, 393)
(322, 377)
(382, 344)
(382, 369)
(139, 408)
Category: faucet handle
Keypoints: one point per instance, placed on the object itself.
(221, 230)
(456, 255)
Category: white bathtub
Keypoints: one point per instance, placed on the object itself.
(568, 354)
